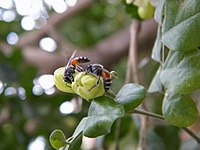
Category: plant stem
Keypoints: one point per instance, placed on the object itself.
(192, 134)
(150, 114)
(117, 134)
(142, 112)
(133, 64)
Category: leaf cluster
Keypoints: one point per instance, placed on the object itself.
(102, 113)
(177, 50)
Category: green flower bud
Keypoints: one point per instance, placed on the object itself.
(146, 11)
(86, 86)
(129, 1)
(59, 82)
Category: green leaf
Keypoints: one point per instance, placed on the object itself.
(131, 95)
(57, 139)
(101, 115)
(166, 132)
(158, 16)
(180, 73)
(80, 127)
(179, 110)
(76, 139)
(154, 142)
(156, 84)
(182, 22)
(75, 142)
(157, 48)
(171, 8)
(182, 36)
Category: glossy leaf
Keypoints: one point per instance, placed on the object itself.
(180, 73)
(101, 115)
(76, 139)
(156, 84)
(158, 16)
(131, 95)
(182, 20)
(157, 48)
(57, 139)
(179, 110)
(80, 127)
(75, 143)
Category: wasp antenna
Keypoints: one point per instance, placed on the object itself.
(73, 54)
(114, 74)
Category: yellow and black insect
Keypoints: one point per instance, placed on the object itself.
(99, 71)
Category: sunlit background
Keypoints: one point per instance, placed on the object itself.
(29, 15)
(33, 14)
(34, 42)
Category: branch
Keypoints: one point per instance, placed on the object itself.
(115, 45)
(53, 21)
(146, 113)
(107, 52)
(133, 50)
(133, 61)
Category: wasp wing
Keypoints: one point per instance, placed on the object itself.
(72, 56)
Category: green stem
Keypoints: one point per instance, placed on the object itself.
(150, 114)
(142, 112)
(192, 134)
(117, 136)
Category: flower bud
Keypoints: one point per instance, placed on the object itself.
(59, 82)
(86, 86)
(146, 11)
(129, 1)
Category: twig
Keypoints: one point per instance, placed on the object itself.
(54, 20)
(150, 114)
(117, 134)
(142, 112)
(133, 57)
(192, 134)
(133, 54)
(128, 71)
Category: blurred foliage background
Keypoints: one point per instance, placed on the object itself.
(31, 107)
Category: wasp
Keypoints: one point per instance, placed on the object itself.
(99, 71)
(73, 66)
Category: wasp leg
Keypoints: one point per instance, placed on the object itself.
(68, 85)
(88, 69)
(79, 68)
(95, 84)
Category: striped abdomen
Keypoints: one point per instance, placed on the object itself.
(107, 80)
(79, 60)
